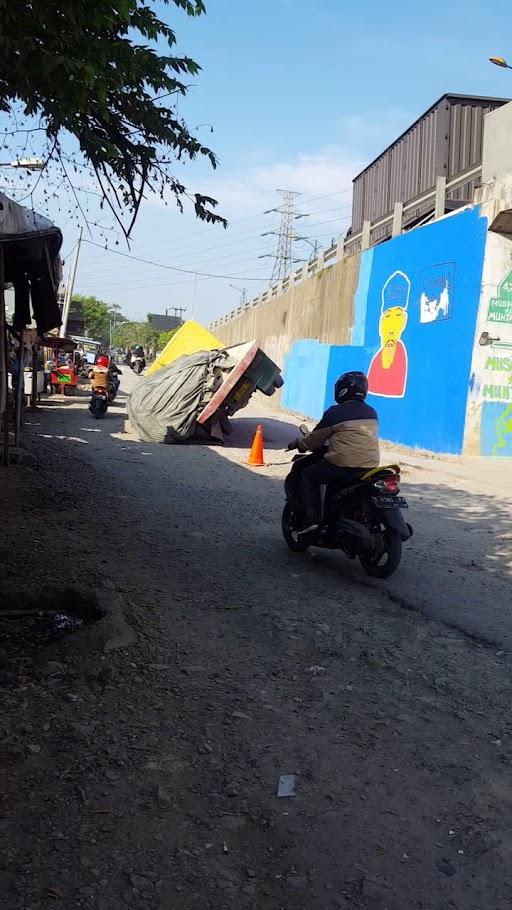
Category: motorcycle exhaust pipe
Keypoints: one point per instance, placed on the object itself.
(355, 530)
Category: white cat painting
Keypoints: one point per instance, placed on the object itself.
(432, 308)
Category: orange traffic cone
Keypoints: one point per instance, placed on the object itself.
(256, 454)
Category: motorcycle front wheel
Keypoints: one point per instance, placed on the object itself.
(385, 561)
(296, 543)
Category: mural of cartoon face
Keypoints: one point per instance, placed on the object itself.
(391, 325)
(387, 373)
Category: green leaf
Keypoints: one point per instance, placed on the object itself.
(95, 70)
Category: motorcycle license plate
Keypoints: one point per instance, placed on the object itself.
(390, 502)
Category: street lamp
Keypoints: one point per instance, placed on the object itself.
(500, 61)
(28, 164)
(314, 246)
(243, 292)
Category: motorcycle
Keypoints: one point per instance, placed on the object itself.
(99, 402)
(138, 364)
(364, 520)
(114, 384)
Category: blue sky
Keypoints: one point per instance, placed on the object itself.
(301, 96)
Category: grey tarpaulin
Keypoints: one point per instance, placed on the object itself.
(164, 407)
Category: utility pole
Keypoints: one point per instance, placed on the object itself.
(69, 288)
(194, 298)
(285, 236)
(283, 260)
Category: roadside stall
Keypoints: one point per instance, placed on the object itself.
(30, 262)
(63, 364)
(87, 349)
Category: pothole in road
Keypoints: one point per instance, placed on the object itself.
(61, 610)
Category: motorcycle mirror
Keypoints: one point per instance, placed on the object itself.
(304, 429)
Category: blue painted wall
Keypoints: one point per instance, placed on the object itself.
(305, 369)
(447, 254)
(496, 429)
(418, 298)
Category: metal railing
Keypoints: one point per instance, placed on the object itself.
(357, 242)
(362, 240)
(323, 259)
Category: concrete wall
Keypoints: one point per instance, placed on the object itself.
(489, 410)
(497, 154)
(320, 307)
(445, 381)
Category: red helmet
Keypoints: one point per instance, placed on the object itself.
(102, 361)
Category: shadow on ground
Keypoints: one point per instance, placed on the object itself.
(456, 567)
(148, 778)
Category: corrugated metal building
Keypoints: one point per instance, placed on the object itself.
(445, 141)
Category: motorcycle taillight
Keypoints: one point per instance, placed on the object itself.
(389, 484)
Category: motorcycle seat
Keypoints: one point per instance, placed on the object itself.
(382, 469)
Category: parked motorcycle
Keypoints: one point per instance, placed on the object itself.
(113, 388)
(364, 520)
(99, 402)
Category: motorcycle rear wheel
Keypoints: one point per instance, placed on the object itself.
(383, 565)
(97, 409)
(296, 543)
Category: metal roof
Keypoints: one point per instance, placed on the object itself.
(449, 96)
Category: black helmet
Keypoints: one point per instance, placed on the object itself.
(351, 385)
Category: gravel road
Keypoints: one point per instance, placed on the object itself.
(140, 760)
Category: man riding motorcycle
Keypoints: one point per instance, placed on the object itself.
(345, 445)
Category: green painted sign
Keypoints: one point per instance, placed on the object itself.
(63, 377)
(500, 307)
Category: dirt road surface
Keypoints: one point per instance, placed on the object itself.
(141, 755)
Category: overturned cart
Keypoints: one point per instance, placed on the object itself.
(193, 397)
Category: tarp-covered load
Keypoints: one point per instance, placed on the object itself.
(164, 407)
(194, 396)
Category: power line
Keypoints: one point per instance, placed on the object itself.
(99, 261)
(230, 234)
(208, 230)
(241, 257)
(236, 237)
(113, 286)
(98, 275)
(171, 268)
(196, 263)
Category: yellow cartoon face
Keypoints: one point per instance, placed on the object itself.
(391, 325)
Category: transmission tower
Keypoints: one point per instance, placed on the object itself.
(285, 236)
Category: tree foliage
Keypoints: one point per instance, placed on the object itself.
(132, 332)
(99, 316)
(94, 69)
(164, 338)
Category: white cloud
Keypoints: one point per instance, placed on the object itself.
(329, 170)
(368, 136)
